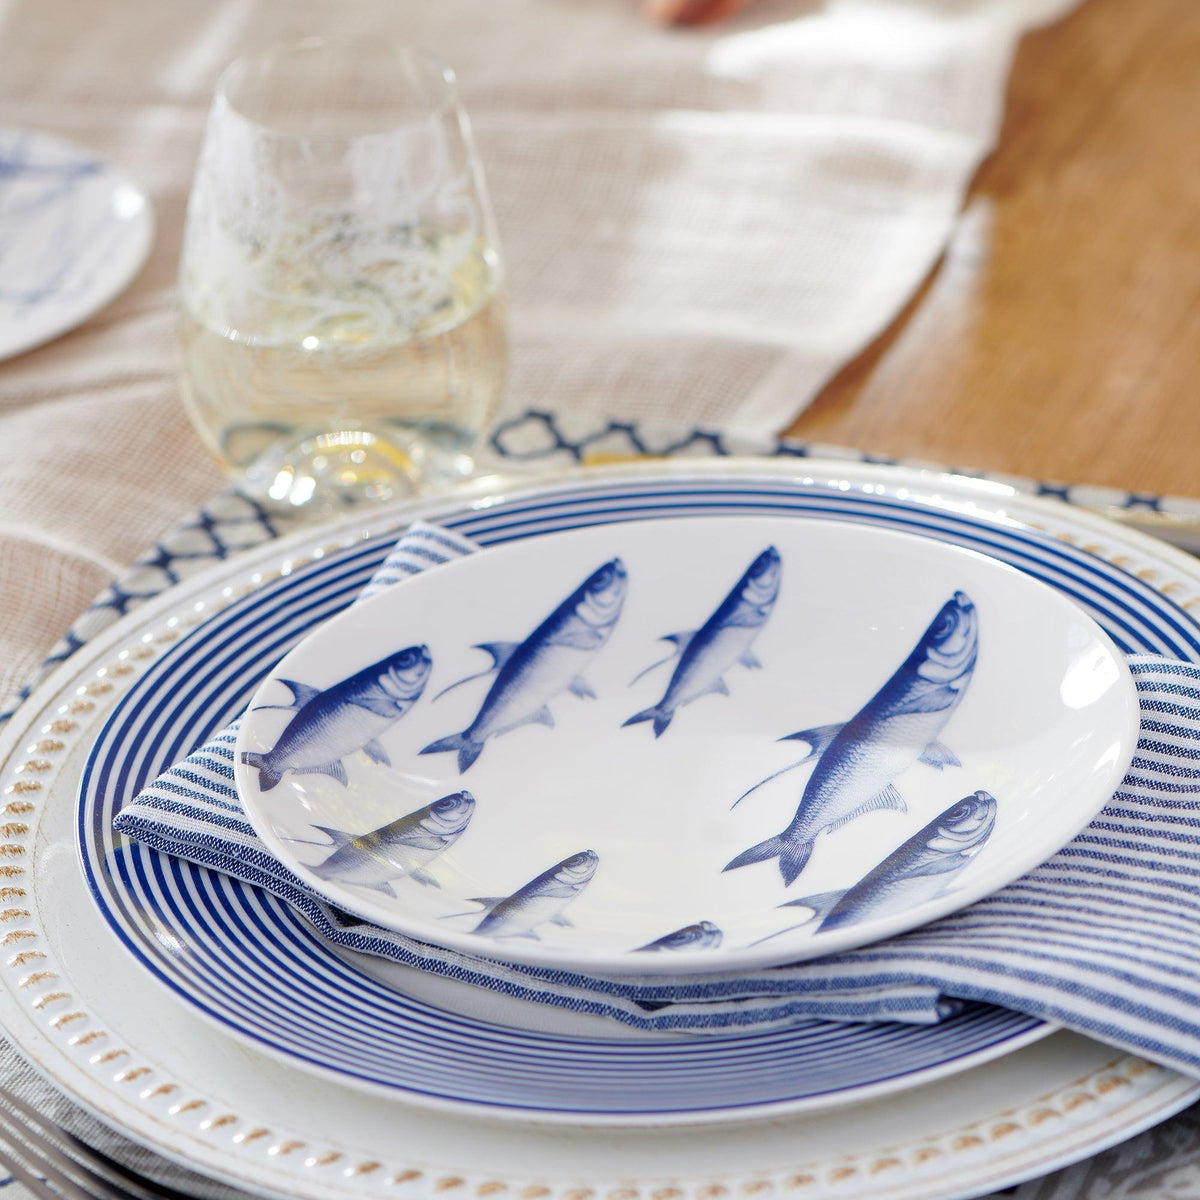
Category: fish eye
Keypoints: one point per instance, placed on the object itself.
(578, 860)
(945, 624)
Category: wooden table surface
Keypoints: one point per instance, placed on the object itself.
(1059, 337)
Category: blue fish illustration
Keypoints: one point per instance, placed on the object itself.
(723, 640)
(540, 900)
(704, 935)
(919, 870)
(329, 725)
(897, 727)
(401, 847)
(550, 660)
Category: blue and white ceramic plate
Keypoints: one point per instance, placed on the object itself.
(690, 745)
(249, 963)
(73, 233)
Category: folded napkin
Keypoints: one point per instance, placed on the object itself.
(1103, 938)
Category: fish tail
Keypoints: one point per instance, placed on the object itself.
(659, 715)
(268, 777)
(468, 752)
(468, 749)
(822, 904)
(771, 848)
(793, 858)
(792, 855)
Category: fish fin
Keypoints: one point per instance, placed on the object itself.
(792, 860)
(887, 797)
(382, 886)
(539, 716)
(559, 919)
(581, 688)
(662, 662)
(718, 685)
(660, 716)
(335, 770)
(376, 701)
(268, 777)
(501, 652)
(821, 904)
(466, 679)
(425, 841)
(488, 902)
(583, 638)
(774, 775)
(931, 698)
(337, 837)
(682, 640)
(771, 848)
(939, 756)
(781, 932)
(376, 753)
(524, 933)
(302, 693)
(423, 877)
(818, 738)
(750, 659)
(468, 750)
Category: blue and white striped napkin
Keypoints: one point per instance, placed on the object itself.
(1104, 938)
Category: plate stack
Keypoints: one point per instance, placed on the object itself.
(679, 726)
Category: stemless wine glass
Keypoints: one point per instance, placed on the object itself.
(343, 323)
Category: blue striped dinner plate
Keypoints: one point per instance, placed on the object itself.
(248, 962)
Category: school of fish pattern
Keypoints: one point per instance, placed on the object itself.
(856, 762)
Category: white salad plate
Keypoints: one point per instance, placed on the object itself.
(148, 1064)
(73, 233)
(499, 757)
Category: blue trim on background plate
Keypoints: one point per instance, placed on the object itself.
(404, 1044)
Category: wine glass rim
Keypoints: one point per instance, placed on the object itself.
(447, 102)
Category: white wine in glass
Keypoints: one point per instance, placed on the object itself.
(343, 325)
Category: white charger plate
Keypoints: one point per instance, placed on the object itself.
(151, 1067)
(74, 232)
(997, 719)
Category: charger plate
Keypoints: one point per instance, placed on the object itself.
(150, 1067)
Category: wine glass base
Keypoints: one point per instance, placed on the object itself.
(329, 472)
